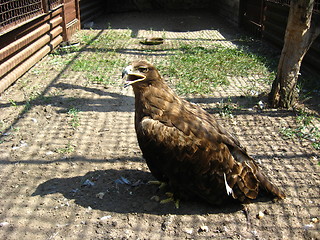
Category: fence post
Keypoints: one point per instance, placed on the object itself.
(45, 6)
(71, 18)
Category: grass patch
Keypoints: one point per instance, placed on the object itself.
(109, 39)
(74, 117)
(65, 150)
(98, 68)
(226, 108)
(192, 68)
(12, 103)
(305, 129)
(95, 55)
(199, 69)
(101, 59)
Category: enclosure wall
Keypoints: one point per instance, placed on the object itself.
(31, 29)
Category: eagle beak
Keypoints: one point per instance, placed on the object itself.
(132, 77)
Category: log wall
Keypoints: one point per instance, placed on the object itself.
(24, 41)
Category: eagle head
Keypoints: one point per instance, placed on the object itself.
(140, 73)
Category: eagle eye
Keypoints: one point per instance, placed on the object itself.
(143, 69)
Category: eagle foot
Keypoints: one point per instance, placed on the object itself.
(161, 184)
(171, 199)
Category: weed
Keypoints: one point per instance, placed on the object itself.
(85, 37)
(67, 149)
(75, 119)
(15, 129)
(305, 129)
(27, 106)
(226, 108)
(12, 102)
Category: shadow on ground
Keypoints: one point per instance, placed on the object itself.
(126, 191)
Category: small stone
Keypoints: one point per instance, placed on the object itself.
(155, 198)
(203, 229)
(100, 195)
(88, 183)
(261, 105)
(260, 215)
(188, 230)
(314, 220)
(308, 226)
(266, 212)
(34, 120)
(3, 224)
(105, 217)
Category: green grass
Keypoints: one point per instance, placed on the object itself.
(13, 103)
(226, 108)
(305, 129)
(191, 68)
(65, 150)
(95, 54)
(109, 39)
(199, 69)
(74, 117)
(98, 68)
(101, 58)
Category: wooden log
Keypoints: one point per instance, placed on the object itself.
(28, 51)
(22, 42)
(26, 65)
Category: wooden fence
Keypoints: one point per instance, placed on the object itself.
(268, 19)
(274, 28)
(30, 29)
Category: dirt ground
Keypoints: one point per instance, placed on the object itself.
(89, 182)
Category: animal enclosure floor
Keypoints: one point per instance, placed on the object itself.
(70, 166)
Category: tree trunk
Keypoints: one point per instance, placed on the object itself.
(298, 38)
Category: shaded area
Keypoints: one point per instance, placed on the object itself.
(131, 197)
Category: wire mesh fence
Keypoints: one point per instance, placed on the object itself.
(16, 12)
(54, 3)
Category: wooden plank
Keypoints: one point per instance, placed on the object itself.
(70, 11)
(28, 51)
(71, 22)
(25, 40)
(12, 76)
(72, 27)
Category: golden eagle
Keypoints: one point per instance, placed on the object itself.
(185, 147)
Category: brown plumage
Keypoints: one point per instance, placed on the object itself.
(185, 146)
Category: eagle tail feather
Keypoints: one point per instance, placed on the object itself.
(269, 186)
